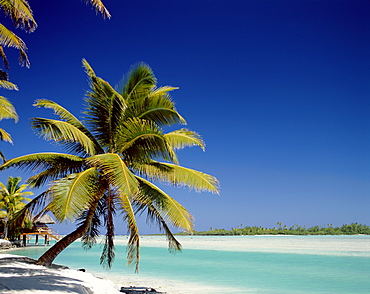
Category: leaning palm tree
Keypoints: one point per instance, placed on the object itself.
(12, 200)
(117, 154)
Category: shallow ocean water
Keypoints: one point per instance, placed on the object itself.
(245, 264)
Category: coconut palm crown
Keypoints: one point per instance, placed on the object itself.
(117, 155)
(12, 200)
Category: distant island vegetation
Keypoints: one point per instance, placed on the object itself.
(280, 229)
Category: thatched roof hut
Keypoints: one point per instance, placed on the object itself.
(45, 219)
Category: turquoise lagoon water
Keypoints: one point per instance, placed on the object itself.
(247, 264)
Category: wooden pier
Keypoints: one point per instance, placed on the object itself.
(46, 232)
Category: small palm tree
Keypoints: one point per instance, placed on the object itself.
(117, 154)
(12, 200)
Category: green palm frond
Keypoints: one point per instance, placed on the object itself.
(41, 161)
(104, 109)
(115, 172)
(55, 172)
(8, 85)
(64, 134)
(9, 39)
(133, 245)
(7, 110)
(142, 139)
(157, 108)
(88, 69)
(5, 136)
(72, 195)
(124, 182)
(108, 254)
(184, 138)
(68, 117)
(20, 12)
(89, 239)
(63, 113)
(161, 91)
(37, 203)
(179, 176)
(168, 208)
(139, 81)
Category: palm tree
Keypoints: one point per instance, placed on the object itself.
(116, 155)
(20, 13)
(12, 200)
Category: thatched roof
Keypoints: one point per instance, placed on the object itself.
(45, 219)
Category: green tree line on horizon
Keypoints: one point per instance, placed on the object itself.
(351, 229)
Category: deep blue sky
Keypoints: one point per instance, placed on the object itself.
(279, 90)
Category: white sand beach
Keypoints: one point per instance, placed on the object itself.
(19, 275)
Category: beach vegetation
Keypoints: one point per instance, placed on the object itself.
(12, 200)
(116, 156)
(351, 229)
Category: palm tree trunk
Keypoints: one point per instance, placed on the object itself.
(6, 228)
(48, 257)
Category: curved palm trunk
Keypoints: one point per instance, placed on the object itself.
(48, 257)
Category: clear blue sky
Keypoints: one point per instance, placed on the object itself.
(279, 90)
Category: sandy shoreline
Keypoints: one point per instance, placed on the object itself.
(19, 275)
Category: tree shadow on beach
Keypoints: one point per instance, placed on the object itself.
(18, 279)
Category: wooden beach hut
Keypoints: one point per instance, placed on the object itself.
(40, 227)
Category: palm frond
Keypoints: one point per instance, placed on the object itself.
(161, 91)
(140, 139)
(8, 85)
(20, 12)
(115, 172)
(184, 138)
(88, 69)
(64, 134)
(9, 39)
(139, 81)
(41, 161)
(108, 254)
(4, 76)
(99, 7)
(158, 108)
(178, 176)
(55, 172)
(36, 204)
(165, 206)
(7, 110)
(154, 216)
(5, 136)
(68, 117)
(133, 245)
(104, 109)
(89, 239)
(72, 195)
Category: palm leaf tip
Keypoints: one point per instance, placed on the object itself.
(182, 138)
(99, 8)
